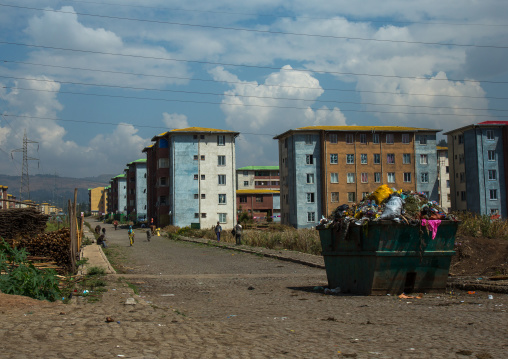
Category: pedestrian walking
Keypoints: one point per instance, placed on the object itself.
(237, 232)
(115, 223)
(131, 235)
(218, 230)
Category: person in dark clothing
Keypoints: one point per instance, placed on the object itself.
(238, 233)
(218, 229)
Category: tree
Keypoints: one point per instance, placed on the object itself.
(442, 143)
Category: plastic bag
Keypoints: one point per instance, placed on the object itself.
(393, 208)
(381, 193)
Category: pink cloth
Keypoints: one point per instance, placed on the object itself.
(431, 225)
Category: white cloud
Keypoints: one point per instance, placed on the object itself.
(174, 120)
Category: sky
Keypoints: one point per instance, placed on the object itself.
(93, 81)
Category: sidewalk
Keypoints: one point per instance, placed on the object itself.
(94, 254)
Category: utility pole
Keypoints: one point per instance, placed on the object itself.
(24, 190)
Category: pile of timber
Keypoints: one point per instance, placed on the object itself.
(21, 222)
(51, 247)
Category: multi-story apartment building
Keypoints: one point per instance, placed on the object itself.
(117, 202)
(200, 164)
(257, 177)
(478, 168)
(443, 178)
(259, 203)
(98, 201)
(136, 178)
(322, 167)
(4, 204)
(157, 159)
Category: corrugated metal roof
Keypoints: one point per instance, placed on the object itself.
(258, 168)
(367, 128)
(441, 148)
(198, 129)
(257, 191)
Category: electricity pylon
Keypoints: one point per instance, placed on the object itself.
(24, 190)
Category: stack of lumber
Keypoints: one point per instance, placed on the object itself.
(21, 222)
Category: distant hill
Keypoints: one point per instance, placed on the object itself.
(43, 186)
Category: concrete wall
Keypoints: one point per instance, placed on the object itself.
(444, 178)
(428, 149)
(141, 190)
(122, 195)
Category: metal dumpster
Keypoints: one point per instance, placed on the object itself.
(385, 257)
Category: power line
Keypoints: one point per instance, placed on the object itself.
(246, 96)
(252, 84)
(247, 66)
(259, 31)
(287, 16)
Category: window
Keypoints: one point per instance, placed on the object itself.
(310, 197)
(461, 139)
(461, 158)
(375, 138)
(310, 178)
(490, 135)
(494, 211)
(202, 177)
(222, 217)
(447, 183)
(350, 159)
(243, 199)
(162, 181)
(406, 158)
(462, 177)
(245, 173)
(363, 138)
(333, 138)
(389, 138)
(308, 139)
(259, 198)
(334, 177)
(196, 215)
(463, 195)
(424, 177)
(245, 183)
(222, 198)
(377, 158)
(309, 159)
(335, 196)
(491, 155)
(162, 200)
(377, 177)
(407, 177)
(196, 177)
(492, 175)
(390, 158)
(221, 160)
(363, 158)
(221, 140)
(423, 139)
(202, 157)
(351, 196)
(163, 163)
(364, 195)
(334, 158)
(222, 179)
(195, 157)
(447, 169)
(203, 196)
(391, 177)
(350, 178)
(311, 216)
(203, 215)
(349, 138)
(365, 177)
(424, 159)
(405, 138)
(195, 137)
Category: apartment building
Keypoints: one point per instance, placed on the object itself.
(322, 167)
(261, 204)
(478, 167)
(97, 200)
(117, 202)
(443, 178)
(136, 178)
(199, 170)
(4, 204)
(257, 177)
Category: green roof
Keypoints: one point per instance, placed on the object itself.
(141, 160)
(122, 175)
(258, 168)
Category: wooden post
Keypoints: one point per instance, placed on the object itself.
(73, 238)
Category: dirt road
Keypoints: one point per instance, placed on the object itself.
(198, 301)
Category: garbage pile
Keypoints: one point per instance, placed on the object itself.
(386, 203)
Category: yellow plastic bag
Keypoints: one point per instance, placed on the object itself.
(381, 193)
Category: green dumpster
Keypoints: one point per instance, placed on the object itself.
(385, 257)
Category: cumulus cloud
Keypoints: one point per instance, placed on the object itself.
(174, 120)
(282, 102)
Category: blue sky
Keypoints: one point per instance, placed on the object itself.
(117, 73)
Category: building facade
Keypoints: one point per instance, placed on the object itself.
(322, 167)
(257, 177)
(478, 168)
(199, 169)
(4, 204)
(136, 177)
(97, 200)
(443, 176)
(118, 195)
(260, 204)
